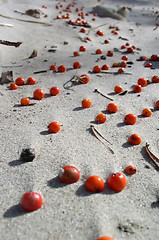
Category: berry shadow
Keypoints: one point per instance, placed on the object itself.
(45, 132)
(16, 162)
(78, 109)
(82, 192)
(14, 211)
(155, 204)
(55, 183)
(126, 145)
(122, 124)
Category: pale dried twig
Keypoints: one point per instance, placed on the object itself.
(152, 156)
(96, 90)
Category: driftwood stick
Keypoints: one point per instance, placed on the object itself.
(152, 156)
(8, 43)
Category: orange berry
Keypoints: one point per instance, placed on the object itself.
(53, 67)
(84, 78)
(130, 119)
(118, 89)
(25, 101)
(82, 49)
(115, 64)
(86, 103)
(105, 238)
(97, 69)
(110, 54)
(69, 174)
(100, 118)
(13, 86)
(120, 70)
(117, 182)
(146, 112)
(76, 65)
(105, 67)
(155, 79)
(123, 64)
(94, 184)
(54, 127)
(54, 91)
(62, 68)
(134, 139)
(130, 170)
(98, 51)
(39, 94)
(20, 81)
(137, 88)
(100, 33)
(76, 54)
(31, 81)
(157, 105)
(112, 108)
(142, 82)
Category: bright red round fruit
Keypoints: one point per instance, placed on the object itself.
(142, 82)
(100, 118)
(84, 78)
(31, 81)
(134, 139)
(69, 174)
(137, 88)
(94, 184)
(76, 65)
(31, 201)
(54, 127)
(130, 170)
(155, 79)
(117, 182)
(54, 91)
(112, 108)
(39, 94)
(130, 119)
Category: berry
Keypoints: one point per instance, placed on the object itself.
(130, 49)
(105, 67)
(137, 88)
(82, 49)
(86, 103)
(112, 108)
(84, 78)
(54, 127)
(124, 57)
(83, 30)
(62, 68)
(54, 91)
(69, 174)
(98, 51)
(134, 139)
(110, 54)
(76, 65)
(146, 112)
(123, 64)
(100, 33)
(25, 101)
(39, 94)
(130, 119)
(115, 64)
(76, 54)
(20, 81)
(13, 86)
(123, 47)
(100, 118)
(53, 67)
(94, 184)
(31, 201)
(31, 81)
(120, 70)
(117, 182)
(105, 238)
(118, 89)
(97, 69)
(155, 79)
(142, 82)
(130, 170)
(148, 65)
(157, 105)
(106, 41)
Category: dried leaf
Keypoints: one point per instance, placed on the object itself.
(34, 54)
(36, 13)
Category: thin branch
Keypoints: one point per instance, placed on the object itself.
(151, 155)
(96, 90)
(95, 132)
(8, 43)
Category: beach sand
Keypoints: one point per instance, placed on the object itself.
(69, 211)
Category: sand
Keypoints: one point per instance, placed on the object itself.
(69, 211)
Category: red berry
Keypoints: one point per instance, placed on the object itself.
(134, 139)
(112, 108)
(97, 69)
(82, 49)
(25, 101)
(76, 54)
(39, 94)
(130, 119)
(69, 174)
(54, 91)
(142, 82)
(130, 170)
(54, 127)
(155, 79)
(100, 118)
(13, 86)
(94, 184)
(105, 67)
(19, 81)
(31, 201)
(53, 67)
(31, 81)
(148, 65)
(62, 68)
(84, 78)
(117, 182)
(137, 88)
(76, 65)
(86, 103)
(98, 51)
(157, 105)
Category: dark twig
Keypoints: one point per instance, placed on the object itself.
(96, 90)
(8, 43)
(42, 71)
